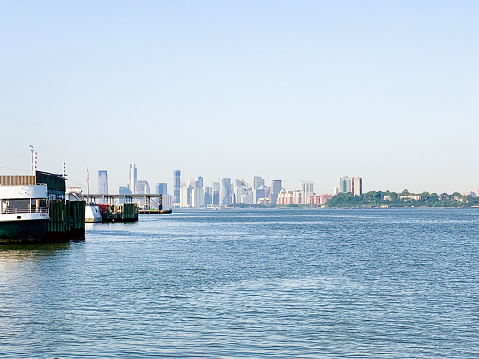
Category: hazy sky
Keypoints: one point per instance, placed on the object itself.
(291, 90)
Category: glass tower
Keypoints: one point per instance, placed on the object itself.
(176, 186)
(102, 182)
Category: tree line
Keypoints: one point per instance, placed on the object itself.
(393, 199)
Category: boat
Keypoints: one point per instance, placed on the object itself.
(92, 213)
(24, 212)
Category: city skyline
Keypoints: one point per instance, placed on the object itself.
(309, 90)
(168, 182)
(194, 193)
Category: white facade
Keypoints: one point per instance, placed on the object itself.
(185, 197)
(225, 192)
(133, 178)
(247, 198)
(197, 198)
(167, 201)
(356, 185)
(239, 191)
(306, 191)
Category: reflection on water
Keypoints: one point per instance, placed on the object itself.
(18, 252)
(250, 283)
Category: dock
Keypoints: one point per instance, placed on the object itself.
(150, 200)
(122, 208)
(155, 211)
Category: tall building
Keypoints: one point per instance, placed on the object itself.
(133, 178)
(102, 182)
(257, 182)
(185, 197)
(215, 197)
(238, 190)
(208, 196)
(259, 193)
(197, 197)
(306, 191)
(167, 201)
(247, 197)
(356, 184)
(176, 187)
(344, 185)
(275, 189)
(142, 187)
(123, 190)
(199, 182)
(161, 188)
(225, 192)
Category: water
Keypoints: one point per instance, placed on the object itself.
(251, 284)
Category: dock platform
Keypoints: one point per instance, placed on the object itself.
(155, 211)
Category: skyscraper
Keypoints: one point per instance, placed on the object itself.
(344, 185)
(185, 197)
(257, 182)
(275, 189)
(356, 184)
(176, 187)
(225, 192)
(259, 193)
(133, 178)
(238, 190)
(199, 182)
(142, 187)
(197, 197)
(306, 190)
(161, 188)
(102, 182)
(208, 196)
(215, 196)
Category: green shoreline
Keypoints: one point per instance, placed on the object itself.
(384, 199)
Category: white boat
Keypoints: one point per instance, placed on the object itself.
(23, 212)
(92, 213)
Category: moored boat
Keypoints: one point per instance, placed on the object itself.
(92, 213)
(23, 213)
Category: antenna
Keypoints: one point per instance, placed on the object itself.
(34, 160)
(64, 170)
(88, 183)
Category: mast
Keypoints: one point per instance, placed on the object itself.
(88, 184)
(34, 161)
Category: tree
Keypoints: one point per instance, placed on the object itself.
(425, 196)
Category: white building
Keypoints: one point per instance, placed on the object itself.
(225, 192)
(133, 178)
(307, 189)
(197, 198)
(185, 197)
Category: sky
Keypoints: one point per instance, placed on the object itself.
(291, 90)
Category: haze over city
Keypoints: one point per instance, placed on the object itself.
(306, 90)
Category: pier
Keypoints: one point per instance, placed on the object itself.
(155, 211)
(150, 201)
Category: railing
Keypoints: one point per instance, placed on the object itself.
(24, 210)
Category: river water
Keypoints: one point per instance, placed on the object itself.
(389, 283)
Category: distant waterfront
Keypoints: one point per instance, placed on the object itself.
(247, 283)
